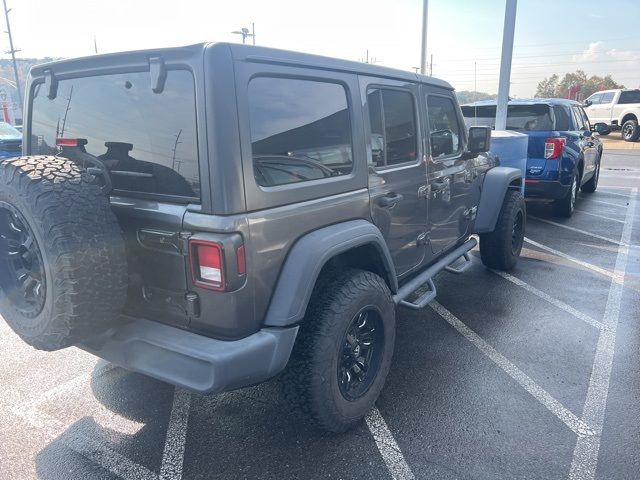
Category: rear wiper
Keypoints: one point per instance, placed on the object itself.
(125, 173)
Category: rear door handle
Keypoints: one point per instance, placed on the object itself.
(390, 200)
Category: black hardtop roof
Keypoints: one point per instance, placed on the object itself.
(250, 53)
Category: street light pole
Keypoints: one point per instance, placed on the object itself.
(505, 63)
(13, 51)
(423, 54)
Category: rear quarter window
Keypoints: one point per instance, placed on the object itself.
(147, 140)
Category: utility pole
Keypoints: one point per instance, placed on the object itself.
(13, 51)
(95, 44)
(505, 63)
(431, 66)
(423, 54)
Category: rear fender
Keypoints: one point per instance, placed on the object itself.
(306, 260)
(496, 183)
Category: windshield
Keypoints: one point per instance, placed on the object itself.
(519, 117)
(7, 131)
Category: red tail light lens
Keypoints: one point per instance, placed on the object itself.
(553, 147)
(67, 142)
(207, 265)
(241, 260)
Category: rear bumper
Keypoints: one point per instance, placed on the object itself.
(544, 189)
(192, 361)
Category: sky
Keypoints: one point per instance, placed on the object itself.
(464, 36)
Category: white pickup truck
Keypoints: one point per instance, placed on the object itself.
(620, 109)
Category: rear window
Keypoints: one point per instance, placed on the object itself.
(147, 140)
(528, 118)
(630, 96)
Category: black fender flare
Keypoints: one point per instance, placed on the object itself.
(309, 255)
(495, 185)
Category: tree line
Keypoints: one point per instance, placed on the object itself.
(576, 85)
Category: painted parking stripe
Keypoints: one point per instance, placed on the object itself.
(585, 455)
(588, 265)
(548, 298)
(574, 229)
(89, 448)
(173, 454)
(599, 216)
(388, 447)
(554, 406)
(608, 203)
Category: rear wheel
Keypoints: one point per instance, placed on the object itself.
(501, 248)
(343, 352)
(630, 131)
(565, 206)
(63, 274)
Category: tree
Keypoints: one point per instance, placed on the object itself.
(547, 87)
(467, 96)
(585, 86)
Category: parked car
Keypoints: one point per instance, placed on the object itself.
(619, 109)
(564, 150)
(278, 223)
(10, 141)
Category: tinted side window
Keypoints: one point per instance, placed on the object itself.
(630, 96)
(300, 130)
(443, 126)
(147, 140)
(563, 119)
(582, 123)
(607, 97)
(393, 127)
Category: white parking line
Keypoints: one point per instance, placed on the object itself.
(89, 448)
(590, 266)
(608, 203)
(173, 454)
(574, 229)
(599, 216)
(557, 303)
(554, 406)
(388, 447)
(585, 455)
(616, 193)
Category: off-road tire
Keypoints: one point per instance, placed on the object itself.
(630, 131)
(565, 206)
(81, 247)
(501, 248)
(310, 382)
(592, 184)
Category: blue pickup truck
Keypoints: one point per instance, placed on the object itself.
(564, 150)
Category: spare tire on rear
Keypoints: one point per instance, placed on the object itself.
(63, 272)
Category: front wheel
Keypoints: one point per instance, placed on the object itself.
(630, 131)
(501, 248)
(343, 352)
(592, 184)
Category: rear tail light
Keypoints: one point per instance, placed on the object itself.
(553, 147)
(207, 265)
(71, 142)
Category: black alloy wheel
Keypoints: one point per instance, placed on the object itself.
(22, 275)
(361, 353)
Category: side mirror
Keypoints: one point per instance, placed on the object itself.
(601, 128)
(587, 103)
(479, 140)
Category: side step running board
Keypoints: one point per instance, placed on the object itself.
(426, 277)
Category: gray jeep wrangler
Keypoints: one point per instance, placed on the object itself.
(217, 214)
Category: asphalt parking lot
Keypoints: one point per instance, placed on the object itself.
(528, 375)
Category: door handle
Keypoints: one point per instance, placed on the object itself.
(390, 200)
